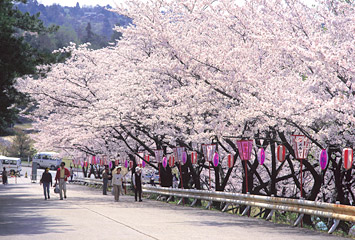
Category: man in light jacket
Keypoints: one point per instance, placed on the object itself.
(62, 177)
(117, 179)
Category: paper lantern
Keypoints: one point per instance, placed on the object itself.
(110, 164)
(230, 160)
(93, 160)
(245, 147)
(126, 163)
(323, 159)
(281, 153)
(146, 158)
(171, 161)
(143, 164)
(301, 145)
(261, 156)
(165, 162)
(348, 158)
(194, 157)
(215, 159)
(184, 158)
(130, 164)
(86, 163)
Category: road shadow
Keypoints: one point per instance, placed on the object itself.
(20, 213)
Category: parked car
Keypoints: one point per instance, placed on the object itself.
(12, 164)
(47, 159)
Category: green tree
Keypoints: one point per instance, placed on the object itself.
(21, 146)
(17, 58)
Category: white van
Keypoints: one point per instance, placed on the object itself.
(47, 159)
(12, 164)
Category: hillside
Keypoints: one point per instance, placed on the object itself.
(77, 24)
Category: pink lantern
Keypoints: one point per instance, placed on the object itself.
(143, 164)
(130, 164)
(86, 163)
(348, 158)
(184, 158)
(194, 157)
(165, 162)
(93, 160)
(110, 164)
(230, 160)
(261, 156)
(126, 163)
(216, 159)
(171, 161)
(301, 145)
(281, 153)
(245, 147)
(323, 159)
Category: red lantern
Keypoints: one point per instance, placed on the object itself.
(281, 153)
(130, 164)
(194, 157)
(230, 160)
(348, 158)
(146, 158)
(86, 163)
(245, 147)
(93, 160)
(171, 161)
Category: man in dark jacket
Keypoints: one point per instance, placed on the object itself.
(137, 183)
(46, 180)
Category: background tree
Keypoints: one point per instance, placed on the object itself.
(17, 58)
(22, 146)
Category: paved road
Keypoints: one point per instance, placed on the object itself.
(87, 214)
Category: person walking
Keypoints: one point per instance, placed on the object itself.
(117, 183)
(137, 183)
(46, 179)
(105, 177)
(71, 173)
(4, 176)
(62, 177)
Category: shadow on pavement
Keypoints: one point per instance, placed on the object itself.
(20, 213)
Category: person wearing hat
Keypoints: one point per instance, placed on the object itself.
(117, 180)
(46, 179)
(137, 183)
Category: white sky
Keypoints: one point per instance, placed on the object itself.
(72, 3)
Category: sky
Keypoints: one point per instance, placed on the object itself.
(72, 3)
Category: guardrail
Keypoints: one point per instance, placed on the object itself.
(328, 210)
(93, 182)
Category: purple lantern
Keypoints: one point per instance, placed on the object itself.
(184, 158)
(165, 162)
(126, 163)
(215, 159)
(143, 164)
(323, 159)
(261, 156)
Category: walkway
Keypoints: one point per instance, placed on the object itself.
(87, 214)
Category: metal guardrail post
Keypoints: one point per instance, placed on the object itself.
(179, 202)
(335, 223)
(300, 217)
(270, 215)
(194, 202)
(169, 198)
(225, 207)
(246, 210)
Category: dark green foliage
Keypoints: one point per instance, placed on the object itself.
(17, 57)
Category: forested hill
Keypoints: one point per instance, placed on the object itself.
(77, 24)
